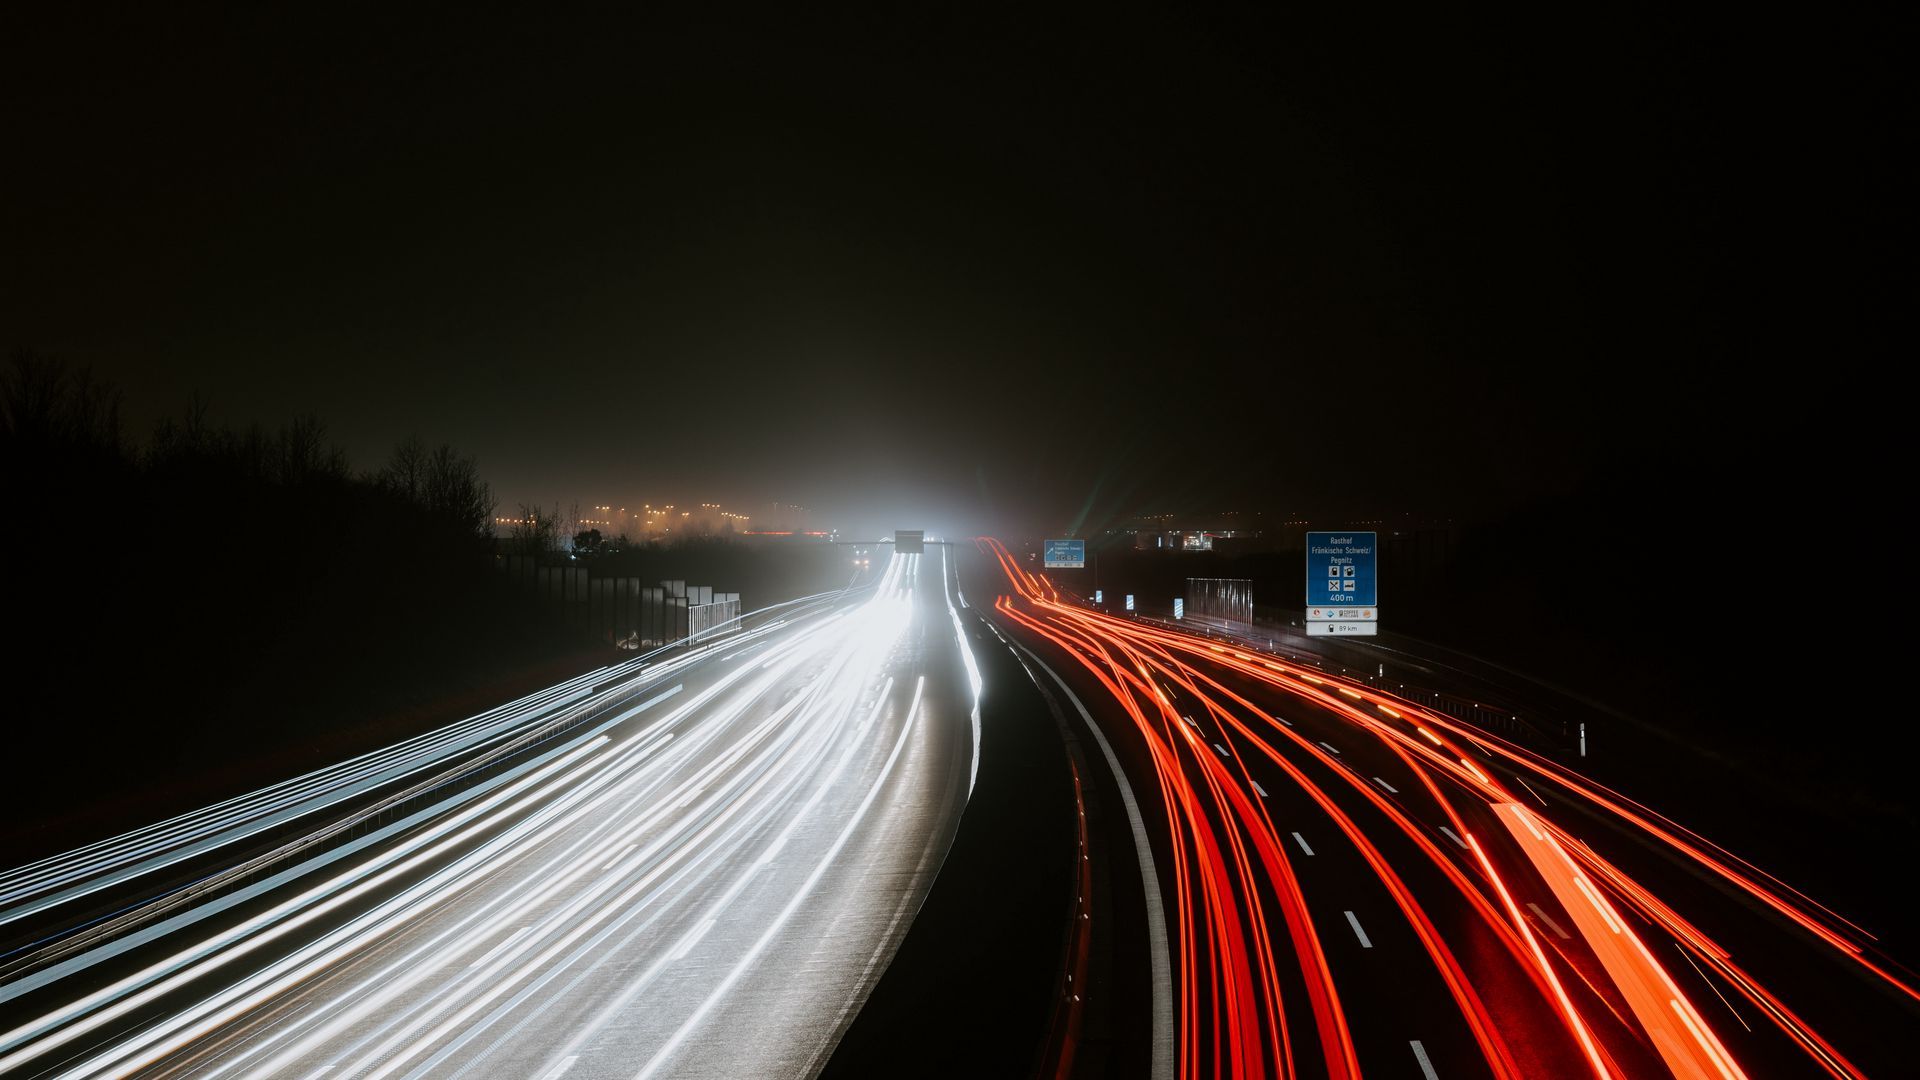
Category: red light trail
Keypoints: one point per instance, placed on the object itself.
(1615, 1009)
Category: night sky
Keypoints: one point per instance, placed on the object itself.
(968, 270)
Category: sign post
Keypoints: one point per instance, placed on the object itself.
(1343, 584)
(1066, 554)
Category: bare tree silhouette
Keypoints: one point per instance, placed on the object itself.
(443, 482)
(536, 531)
(406, 471)
(46, 407)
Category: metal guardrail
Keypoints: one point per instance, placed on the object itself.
(142, 913)
(1458, 706)
(159, 907)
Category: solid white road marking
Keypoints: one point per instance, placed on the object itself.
(973, 669)
(1159, 955)
(559, 1070)
(1715, 989)
(1529, 788)
(1357, 932)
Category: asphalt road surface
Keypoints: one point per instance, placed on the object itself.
(1355, 882)
(704, 875)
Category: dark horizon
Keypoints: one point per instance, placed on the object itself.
(943, 273)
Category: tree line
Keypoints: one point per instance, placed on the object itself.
(64, 449)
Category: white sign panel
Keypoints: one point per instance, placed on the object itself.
(1342, 629)
(1343, 614)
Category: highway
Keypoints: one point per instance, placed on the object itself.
(700, 863)
(697, 866)
(1354, 883)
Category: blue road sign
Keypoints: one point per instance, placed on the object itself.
(1341, 569)
(1129, 601)
(1098, 596)
(1179, 608)
(1066, 554)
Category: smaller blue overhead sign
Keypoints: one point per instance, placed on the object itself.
(1341, 569)
(1066, 554)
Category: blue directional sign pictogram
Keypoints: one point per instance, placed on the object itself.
(1342, 568)
(1065, 554)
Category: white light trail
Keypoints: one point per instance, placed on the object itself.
(609, 868)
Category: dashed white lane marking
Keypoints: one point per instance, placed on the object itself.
(1545, 918)
(560, 1070)
(1330, 748)
(1386, 785)
(1420, 1055)
(1451, 836)
(1357, 932)
(1258, 788)
(1302, 841)
(1223, 751)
